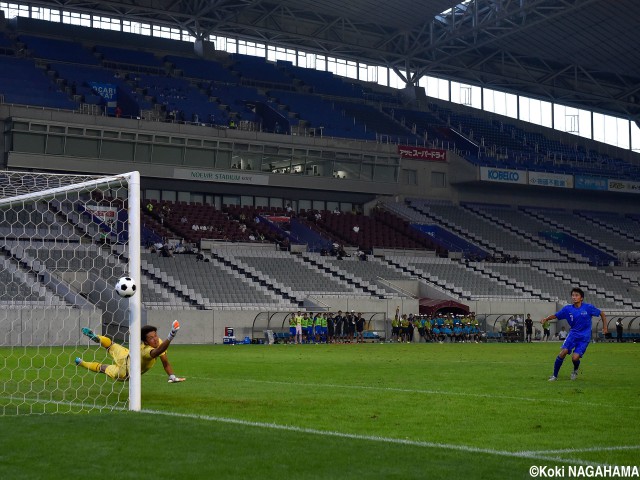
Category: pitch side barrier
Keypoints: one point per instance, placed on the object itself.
(498, 331)
(630, 329)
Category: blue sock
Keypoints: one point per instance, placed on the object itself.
(576, 364)
(557, 365)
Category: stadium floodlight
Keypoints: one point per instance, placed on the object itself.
(66, 240)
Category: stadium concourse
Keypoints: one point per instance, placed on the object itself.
(269, 188)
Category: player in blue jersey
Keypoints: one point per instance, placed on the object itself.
(578, 315)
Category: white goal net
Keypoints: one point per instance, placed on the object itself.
(65, 240)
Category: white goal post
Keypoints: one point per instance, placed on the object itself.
(65, 241)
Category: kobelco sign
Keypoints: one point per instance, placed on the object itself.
(501, 175)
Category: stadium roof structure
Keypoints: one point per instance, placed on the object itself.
(582, 53)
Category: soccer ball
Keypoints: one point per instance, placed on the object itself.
(126, 287)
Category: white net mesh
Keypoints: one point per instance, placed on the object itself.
(62, 253)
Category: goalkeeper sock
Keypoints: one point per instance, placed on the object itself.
(576, 364)
(557, 365)
(93, 366)
(105, 341)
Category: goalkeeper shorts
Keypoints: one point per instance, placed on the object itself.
(120, 369)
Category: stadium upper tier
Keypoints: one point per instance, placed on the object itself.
(178, 87)
(237, 275)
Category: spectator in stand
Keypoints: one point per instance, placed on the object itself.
(166, 251)
(104, 236)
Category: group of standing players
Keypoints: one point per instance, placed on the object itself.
(327, 327)
(305, 327)
(436, 328)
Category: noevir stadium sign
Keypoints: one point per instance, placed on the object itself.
(501, 175)
(221, 176)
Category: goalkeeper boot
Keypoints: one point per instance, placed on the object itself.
(78, 360)
(89, 333)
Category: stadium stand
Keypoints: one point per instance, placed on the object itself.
(549, 248)
(320, 102)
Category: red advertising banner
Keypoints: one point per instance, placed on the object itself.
(422, 153)
(278, 218)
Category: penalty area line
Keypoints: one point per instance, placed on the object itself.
(431, 392)
(419, 392)
(372, 438)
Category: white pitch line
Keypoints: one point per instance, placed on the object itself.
(588, 449)
(374, 438)
(424, 392)
(527, 454)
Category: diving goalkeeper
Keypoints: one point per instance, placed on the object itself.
(150, 349)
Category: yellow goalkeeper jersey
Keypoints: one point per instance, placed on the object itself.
(146, 362)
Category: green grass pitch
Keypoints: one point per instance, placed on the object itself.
(391, 411)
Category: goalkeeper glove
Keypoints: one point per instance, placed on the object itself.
(174, 379)
(175, 326)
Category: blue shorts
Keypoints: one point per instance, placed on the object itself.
(292, 331)
(576, 344)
